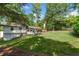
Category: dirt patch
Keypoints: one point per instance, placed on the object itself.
(11, 51)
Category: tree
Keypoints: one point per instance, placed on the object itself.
(76, 25)
(54, 15)
(36, 12)
(13, 12)
(71, 20)
(41, 23)
(30, 21)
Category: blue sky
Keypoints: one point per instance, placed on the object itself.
(71, 7)
(43, 10)
(72, 10)
(27, 9)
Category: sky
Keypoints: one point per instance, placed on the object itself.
(27, 9)
(72, 10)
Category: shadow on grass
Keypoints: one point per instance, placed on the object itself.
(48, 46)
(40, 44)
(74, 34)
(8, 43)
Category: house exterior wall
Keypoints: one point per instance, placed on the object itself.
(1, 34)
(10, 34)
(32, 31)
(23, 30)
(8, 29)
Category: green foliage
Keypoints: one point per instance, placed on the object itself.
(36, 6)
(71, 20)
(30, 19)
(41, 23)
(1, 28)
(50, 25)
(13, 12)
(36, 10)
(55, 16)
(76, 28)
(76, 25)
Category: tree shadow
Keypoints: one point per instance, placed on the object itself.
(39, 44)
(74, 34)
(49, 46)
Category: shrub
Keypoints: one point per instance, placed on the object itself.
(76, 28)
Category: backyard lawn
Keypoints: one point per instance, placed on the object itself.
(49, 43)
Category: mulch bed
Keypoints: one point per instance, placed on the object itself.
(11, 51)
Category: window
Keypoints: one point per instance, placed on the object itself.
(20, 28)
(27, 29)
(11, 28)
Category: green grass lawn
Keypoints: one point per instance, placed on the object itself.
(51, 43)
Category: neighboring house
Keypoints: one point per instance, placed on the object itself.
(13, 31)
(33, 30)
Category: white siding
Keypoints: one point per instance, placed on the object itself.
(10, 34)
(1, 34)
(6, 29)
(15, 30)
(23, 30)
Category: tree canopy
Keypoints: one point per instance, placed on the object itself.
(54, 15)
(13, 12)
